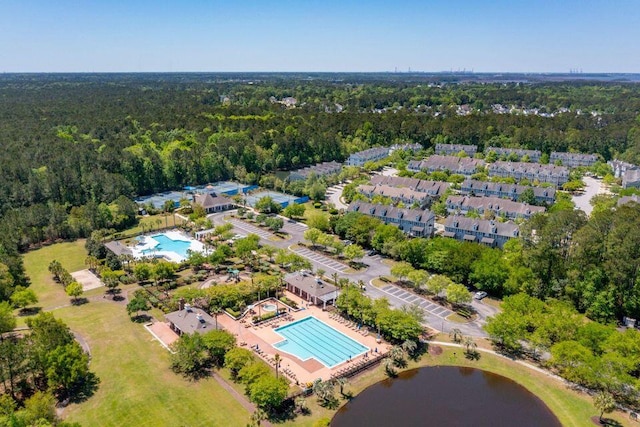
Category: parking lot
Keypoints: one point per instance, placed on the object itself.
(410, 298)
(244, 228)
(321, 259)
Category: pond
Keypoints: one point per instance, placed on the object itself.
(446, 396)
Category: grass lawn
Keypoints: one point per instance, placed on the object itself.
(137, 387)
(310, 211)
(457, 318)
(50, 293)
(573, 409)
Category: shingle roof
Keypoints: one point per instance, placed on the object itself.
(494, 204)
(434, 188)
(209, 200)
(190, 320)
(309, 284)
(394, 192)
(454, 164)
(536, 169)
(488, 186)
(456, 148)
(487, 227)
(384, 211)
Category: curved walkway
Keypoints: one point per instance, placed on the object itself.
(240, 398)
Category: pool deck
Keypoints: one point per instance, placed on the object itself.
(304, 371)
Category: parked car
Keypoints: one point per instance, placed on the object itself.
(479, 295)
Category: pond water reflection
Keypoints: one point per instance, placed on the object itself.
(446, 396)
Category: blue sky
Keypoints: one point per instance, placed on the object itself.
(286, 35)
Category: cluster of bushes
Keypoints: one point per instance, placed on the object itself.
(23, 297)
(264, 389)
(289, 302)
(195, 354)
(234, 297)
(263, 317)
(421, 281)
(272, 222)
(395, 325)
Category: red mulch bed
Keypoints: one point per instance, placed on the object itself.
(435, 350)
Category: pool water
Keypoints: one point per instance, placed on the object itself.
(166, 244)
(311, 338)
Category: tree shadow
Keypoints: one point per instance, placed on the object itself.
(605, 422)
(472, 355)
(400, 363)
(79, 301)
(141, 318)
(86, 389)
(331, 403)
(29, 311)
(347, 395)
(118, 298)
(286, 412)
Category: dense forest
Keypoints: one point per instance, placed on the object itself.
(77, 148)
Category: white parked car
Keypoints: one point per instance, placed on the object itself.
(479, 295)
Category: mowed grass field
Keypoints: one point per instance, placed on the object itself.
(137, 387)
(50, 293)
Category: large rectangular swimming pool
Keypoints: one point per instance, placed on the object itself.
(312, 338)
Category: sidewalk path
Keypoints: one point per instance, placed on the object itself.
(240, 398)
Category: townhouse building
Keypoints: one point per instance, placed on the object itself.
(414, 222)
(489, 232)
(473, 187)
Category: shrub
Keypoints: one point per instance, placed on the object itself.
(317, 205)
(265, 316)
(289, 302)
(233, 312)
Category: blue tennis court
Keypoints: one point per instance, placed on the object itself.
(311, 338)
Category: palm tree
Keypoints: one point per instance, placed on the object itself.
(300, 404)
(320, 272)
(389, 366)
(341, 382)
(456, 335)
(409, 346)
(334, 276)
(396, 353)
(91, 262)
(215, 310)
(324, 390)
(277, 359)
(469, 345)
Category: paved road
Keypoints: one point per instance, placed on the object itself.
(335, 194)
(434, 317)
